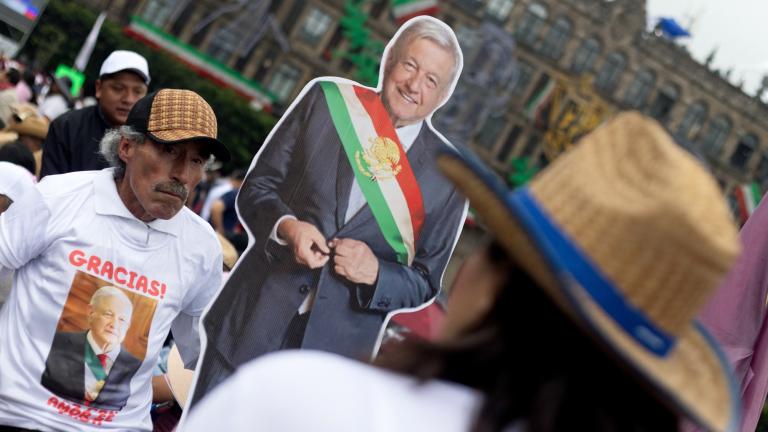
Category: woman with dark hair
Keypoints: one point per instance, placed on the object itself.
(579, 316)
(17, 153)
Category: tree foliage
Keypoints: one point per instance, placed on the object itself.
(65, 24)
(364, 52)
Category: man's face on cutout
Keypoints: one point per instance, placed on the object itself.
(416, 83)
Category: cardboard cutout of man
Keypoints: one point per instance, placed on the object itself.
(92, 366)
(348, 215)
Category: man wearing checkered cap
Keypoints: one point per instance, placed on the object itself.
(124, 226)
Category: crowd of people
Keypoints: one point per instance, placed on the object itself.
(126, 239)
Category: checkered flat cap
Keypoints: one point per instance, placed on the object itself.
(174, 116)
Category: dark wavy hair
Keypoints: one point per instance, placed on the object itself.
(535, 368)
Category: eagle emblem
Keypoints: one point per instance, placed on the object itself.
(381, 160)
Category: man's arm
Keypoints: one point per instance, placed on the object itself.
(56, 157)
(5, 202)
(217, 216)
(260, 203)
(23, 230)
(399, 286)
(186, 324)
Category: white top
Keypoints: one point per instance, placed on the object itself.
(53, 106)
(15, 180)
(218, 189)
(315, 391)
(73, 228)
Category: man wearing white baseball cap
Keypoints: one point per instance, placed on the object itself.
(73, 139)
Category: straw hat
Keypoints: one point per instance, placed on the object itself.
(26, 121)
(629, 235)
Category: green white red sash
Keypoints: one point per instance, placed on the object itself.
(92, 360)
(380, 165)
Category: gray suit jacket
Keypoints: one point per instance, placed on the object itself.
(64, 373)
(304, 172)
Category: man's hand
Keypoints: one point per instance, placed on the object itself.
(355, 261)
(308, 243)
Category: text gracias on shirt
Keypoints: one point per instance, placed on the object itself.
(118, 274)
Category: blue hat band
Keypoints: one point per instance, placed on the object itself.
(570, 262)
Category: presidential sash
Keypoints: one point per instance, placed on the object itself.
(380, 165)
(92, 360)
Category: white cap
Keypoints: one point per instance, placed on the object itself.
(122, 60)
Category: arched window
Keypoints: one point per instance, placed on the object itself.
(666, 98)
(499, 9)
(283, 81)
(156, 12)
(639, 88)
(556, 38)
(692, 121)
(585, 57)
(715, 135)
(530, 24)
(316, 24)
(744, 150)
(609, 74)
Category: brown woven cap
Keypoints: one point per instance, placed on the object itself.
(654, 223)
(175, 116)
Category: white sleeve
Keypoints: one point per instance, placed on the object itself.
(273, 235)
(186, 324)
(185, 334)
(23, 230)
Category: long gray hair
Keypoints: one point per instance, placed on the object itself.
(110, 146)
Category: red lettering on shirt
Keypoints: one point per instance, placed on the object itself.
(83, 414)
(133, 278)
(76, 258)
(106, 270)
(141, 284)
(120, 275)
(119, 280)
(93, 264)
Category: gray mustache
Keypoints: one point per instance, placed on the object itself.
(173, 187)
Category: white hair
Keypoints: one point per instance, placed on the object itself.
(109, 291)
(110, 146)
(442, 35)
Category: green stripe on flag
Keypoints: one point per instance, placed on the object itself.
(755, 192)
(371, 190)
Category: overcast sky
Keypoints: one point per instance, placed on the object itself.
(736, 28)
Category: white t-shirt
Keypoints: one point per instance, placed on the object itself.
(68, 237)
(53, 106)
(15, 180)
(316, 391)
(218, 189)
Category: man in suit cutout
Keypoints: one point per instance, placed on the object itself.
(324, 269)
(92, 367)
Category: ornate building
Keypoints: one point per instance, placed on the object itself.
(538, 73)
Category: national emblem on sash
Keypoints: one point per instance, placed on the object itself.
(381, 160)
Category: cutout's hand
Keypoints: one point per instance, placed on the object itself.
(355, 261)
(307, 242)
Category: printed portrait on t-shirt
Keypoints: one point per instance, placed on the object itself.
(100, 342)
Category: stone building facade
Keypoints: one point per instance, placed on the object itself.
(585, 58)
